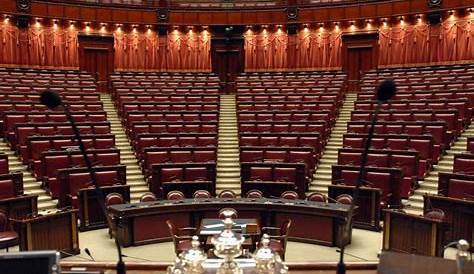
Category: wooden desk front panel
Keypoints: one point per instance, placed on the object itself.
(144, 223)
(459, 216)
(413, 234)
(321, 228)
(20, 206)
(148, 229)
(50, 232)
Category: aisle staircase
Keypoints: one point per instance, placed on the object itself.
(322, 176)
(228, 166)
(135, 177)
(445, 164)
(30, 184)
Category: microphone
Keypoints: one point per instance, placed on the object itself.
(88, 252)
(461, 255)
(384, 92)
(52, 100)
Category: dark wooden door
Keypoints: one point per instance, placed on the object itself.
(227, 62)
(359, 60)
(359, 54)
(96, 61)
(96, 55)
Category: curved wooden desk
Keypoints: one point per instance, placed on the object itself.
(313, 222)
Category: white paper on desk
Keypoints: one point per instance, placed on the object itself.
(214, 225)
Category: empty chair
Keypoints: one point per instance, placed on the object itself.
(254, 193)
(175, 195)
(202, 194)
(227, 194)
(290, 195)
(317, 197)
(435, 214)
(278, 237)
(228, 211)
(181, 237)
(148, 197)
(8, 237)
(113, 199)
(345, 199)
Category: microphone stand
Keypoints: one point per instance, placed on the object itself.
(341, 266)
(98, 191)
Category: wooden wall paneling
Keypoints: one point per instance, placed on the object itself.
(321, 14)
(89, 14)
(104, 15)
(452, 3)
(71, 12)
(135, 16)
(149, 17)
(119, 15)
(190, 18)
(279, 16)
(219, 18)
(205, 18)
(306, 15)
(249, 17)
(384, 9)
(337, 14)
(8, 6)
(175, 17)
(234, 17)
(56, 11)
(39, 9)
(352, 12)
(401, 7)
(368, 10)
(417, 6)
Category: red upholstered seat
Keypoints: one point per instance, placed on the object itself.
(289, 194)
(114, 199)
(8, 237)
(227, 194)
(148, 197)
(175, 195)
(254, 193)
(203, 156)
(202, 194)
(435, 214)
(317, 197)
(344, 199)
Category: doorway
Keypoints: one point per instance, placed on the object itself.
(227, 62)
(359, 54)
(96, 55)
(359, 60)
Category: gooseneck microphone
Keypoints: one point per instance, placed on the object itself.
(52, 100)
(385, 91)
